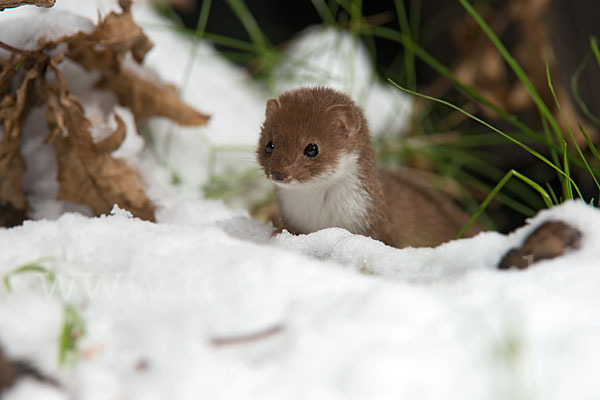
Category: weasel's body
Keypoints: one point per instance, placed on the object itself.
(315, 146)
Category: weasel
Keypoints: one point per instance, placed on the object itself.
(316, 148)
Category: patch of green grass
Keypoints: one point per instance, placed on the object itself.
(32, 267)
(577, 96)
(73, 328)
(554, 140)
(594, 47)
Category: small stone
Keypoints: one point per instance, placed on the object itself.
(549, 240)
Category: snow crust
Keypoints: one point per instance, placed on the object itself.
(355, 319)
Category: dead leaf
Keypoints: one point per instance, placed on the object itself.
(17, 3)
(12, 166)
(104, 50)
(87, 173)
(147, 99)
(118, 33)
(7, 71)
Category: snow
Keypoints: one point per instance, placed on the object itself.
(61, 24)
(428, 323)
(330, 57)
(355, 319)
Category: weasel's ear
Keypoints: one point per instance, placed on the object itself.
(347, 117)
(272, 106)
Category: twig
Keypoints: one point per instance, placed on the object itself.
(35, 54)
(251, 337)
(16, 3)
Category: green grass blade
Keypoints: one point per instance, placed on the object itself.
(409, 57)
(355, 14)
(73, 328)
(574, 83)
(520, 144)
(491, 172)
(589, 142)
(448, 74)
(568, 191)
(211, 37)
(552, 194)
(545, 196)
(550, 144)
(415, 19)
(229, 42)
(587, 165)
(595, 50)
(512, 62)
(507, 200)
(31, 267)
(324, 12)
(199, 33)
(203, 18)
(243, 14)
(494, 193)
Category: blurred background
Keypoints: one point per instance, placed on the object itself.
(438, 48)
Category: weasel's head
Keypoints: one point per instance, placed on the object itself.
(309, 134)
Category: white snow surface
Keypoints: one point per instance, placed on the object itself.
(429, 324)
(350, 318)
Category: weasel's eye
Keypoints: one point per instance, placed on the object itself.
(311, 150)
(269, 148)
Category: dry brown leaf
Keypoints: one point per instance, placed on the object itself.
(103, 50)
(12, 167)
(144, 97)
(13, 111)
(16, 3)
(7, 71)
(117, 33)
(87, 173)
(147, 99)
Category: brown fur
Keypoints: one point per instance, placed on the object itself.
(402, 210)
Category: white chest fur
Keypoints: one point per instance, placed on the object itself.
(335, 199)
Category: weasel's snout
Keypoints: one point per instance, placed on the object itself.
(279, 176)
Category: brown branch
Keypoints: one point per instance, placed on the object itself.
(35, 54)
(16, 3)
(251, 337)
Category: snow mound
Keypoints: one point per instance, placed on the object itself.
(420, 322)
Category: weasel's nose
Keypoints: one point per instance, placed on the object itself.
(278, 175)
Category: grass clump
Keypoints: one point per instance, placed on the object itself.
(446, 134)
(554, 138)
(73, 326)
